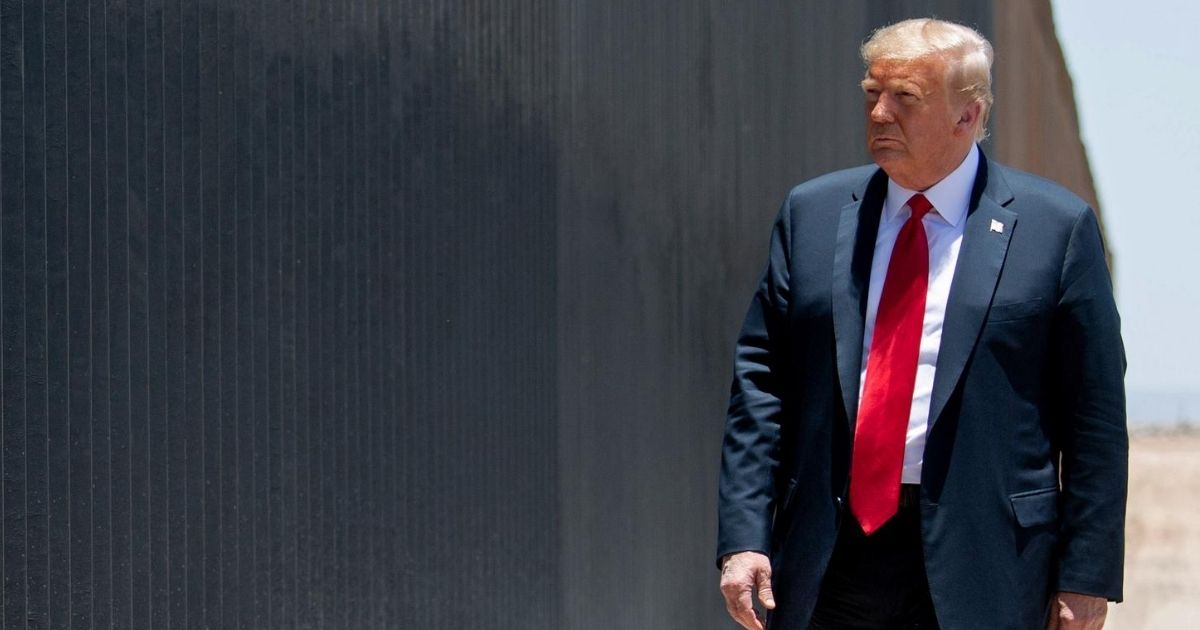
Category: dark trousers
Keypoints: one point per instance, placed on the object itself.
(877, 582)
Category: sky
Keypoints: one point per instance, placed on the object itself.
(1137, 91)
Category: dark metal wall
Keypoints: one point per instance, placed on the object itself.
(367, 314)
(683, 127)
(278, 315)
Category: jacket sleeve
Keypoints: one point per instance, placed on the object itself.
(749, 455)
(1089, 388)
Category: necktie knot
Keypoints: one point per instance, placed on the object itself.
(920, 206)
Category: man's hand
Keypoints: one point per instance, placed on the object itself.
(741, 575)
(1072, 611)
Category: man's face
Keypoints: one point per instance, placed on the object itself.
(917, 131)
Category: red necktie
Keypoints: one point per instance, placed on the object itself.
(886, 405)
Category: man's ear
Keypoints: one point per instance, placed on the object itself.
(968, 117)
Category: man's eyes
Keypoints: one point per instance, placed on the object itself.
(903, 95)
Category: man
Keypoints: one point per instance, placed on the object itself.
(926, 426)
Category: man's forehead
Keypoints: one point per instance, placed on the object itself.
(924, 70)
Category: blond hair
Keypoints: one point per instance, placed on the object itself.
(967, 54)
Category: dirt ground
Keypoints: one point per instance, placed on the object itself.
(1162, 553)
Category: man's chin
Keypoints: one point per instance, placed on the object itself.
(884, 155)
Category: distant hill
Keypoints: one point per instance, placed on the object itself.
(1157, 409)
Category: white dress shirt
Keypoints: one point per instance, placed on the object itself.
(944, 230)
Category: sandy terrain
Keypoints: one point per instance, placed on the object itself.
(1162, 554)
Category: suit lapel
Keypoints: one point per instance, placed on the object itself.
(981, 257)
(857, 228)
(980, 261)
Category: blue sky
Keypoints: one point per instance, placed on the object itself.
(1138, 96)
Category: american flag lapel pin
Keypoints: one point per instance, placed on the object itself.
(997, 227)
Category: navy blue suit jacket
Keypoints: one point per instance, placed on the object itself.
(1024, 478)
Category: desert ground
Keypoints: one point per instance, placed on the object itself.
(1162, 553)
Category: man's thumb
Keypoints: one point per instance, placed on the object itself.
(1056, 614)
(765, 594)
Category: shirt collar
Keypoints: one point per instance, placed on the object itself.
(949, 197)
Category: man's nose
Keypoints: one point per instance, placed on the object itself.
(881, 112)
